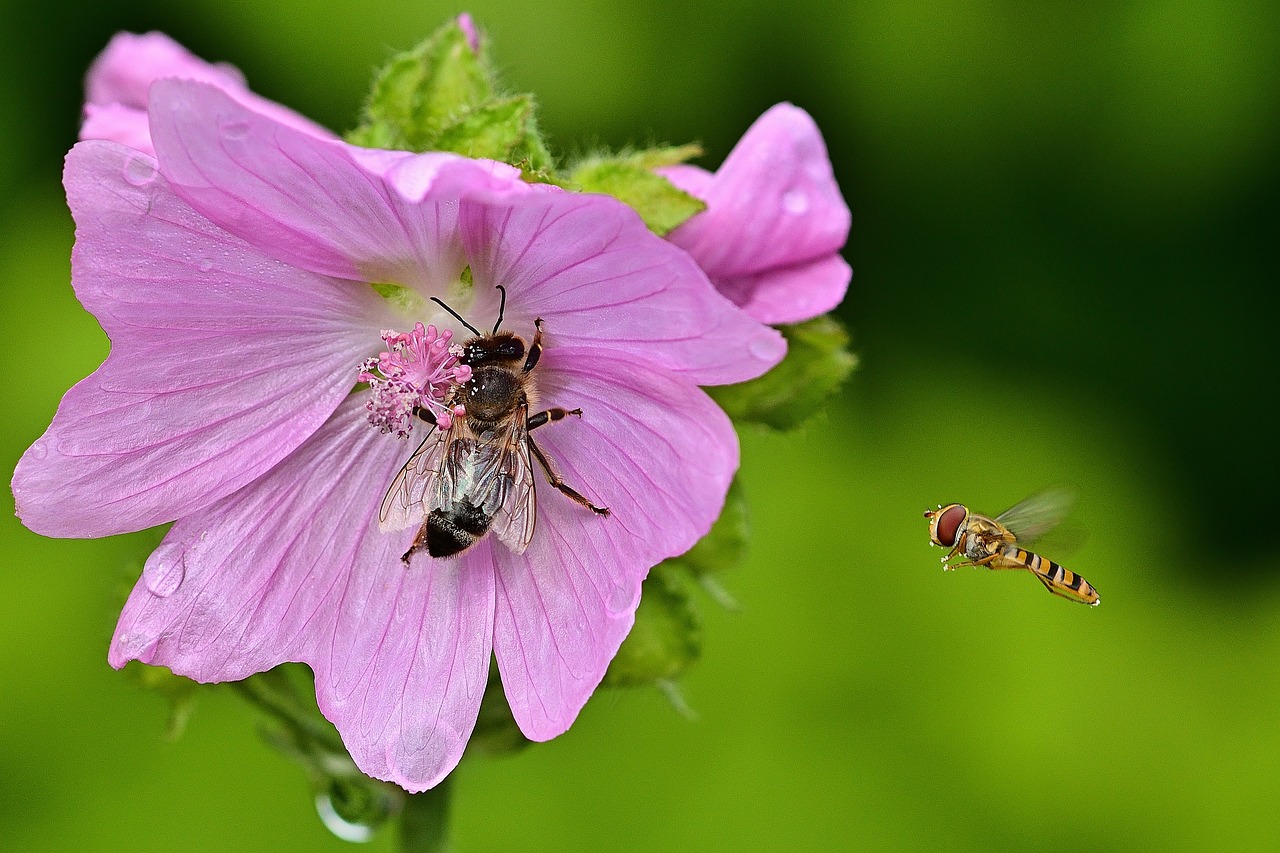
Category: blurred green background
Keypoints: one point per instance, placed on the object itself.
(1064, 244)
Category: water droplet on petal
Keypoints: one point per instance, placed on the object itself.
(140, 171)
(763, 348)
(357, 833)
(795, 202)
(235, 129)
(623, 599)
(136, 646)
(165, 570)
(39, 450)
(206, 265)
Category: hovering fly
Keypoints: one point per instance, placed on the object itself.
(997, 543)
(477, 475)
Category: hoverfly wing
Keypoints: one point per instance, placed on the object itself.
(1037, 515)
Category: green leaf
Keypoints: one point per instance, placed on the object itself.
(818, 361)
(666, 638)
(630, 178)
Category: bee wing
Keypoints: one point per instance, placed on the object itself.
(1037, 515)
(405, 503)
(504, 478)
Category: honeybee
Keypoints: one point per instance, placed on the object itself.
(994, 542)
(477, 476)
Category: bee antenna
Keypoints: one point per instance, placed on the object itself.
(458, 316)
(502, 308)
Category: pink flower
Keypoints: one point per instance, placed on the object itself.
(233, 275)
(120, 78)
(775, 221)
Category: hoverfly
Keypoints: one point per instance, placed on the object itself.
(477, 475)
(996, 543)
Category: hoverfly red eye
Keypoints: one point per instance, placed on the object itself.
(947, 524)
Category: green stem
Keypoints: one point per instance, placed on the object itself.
(424, 820)
(273, 694)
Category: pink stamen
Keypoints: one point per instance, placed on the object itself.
(419, 370)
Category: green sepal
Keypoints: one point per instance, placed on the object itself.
(178, 691)
(423, 89)
(721, 550)
(725, 545)
(442, 96)
(630, 179)
(817, 363)
(502, 129)
(666, 638)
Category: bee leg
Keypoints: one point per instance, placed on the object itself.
(419, 542)
(549, 416)
(535, 347)
(557, 483)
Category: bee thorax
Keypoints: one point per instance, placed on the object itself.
(492, 393)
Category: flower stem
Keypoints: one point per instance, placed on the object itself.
(424, 820)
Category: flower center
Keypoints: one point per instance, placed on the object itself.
(416, 375)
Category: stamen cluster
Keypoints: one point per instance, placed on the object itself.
(417, 371)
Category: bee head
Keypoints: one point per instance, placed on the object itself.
(493, 349)
(944, 523)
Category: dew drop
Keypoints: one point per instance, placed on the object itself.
(39, 450)
(206, 265)
(357, 833)
(140, 171)
(795, 202)
(622, 599)
(763, 348)
(165, 570)
(137, 646)
(235, 129)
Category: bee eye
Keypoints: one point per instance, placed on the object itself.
(947, 524)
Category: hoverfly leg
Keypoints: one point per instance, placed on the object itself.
(425, 414)
(550, 416)
(535, 347)
(979, 564)
(557, 483)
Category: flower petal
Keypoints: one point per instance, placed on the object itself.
(790, 294)
(773, 203)
(130, 63)
(118, 123)
(222, 360)
(293, 568)
(660, 454)
(322, 205)
(588, 266)
(122, 75)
